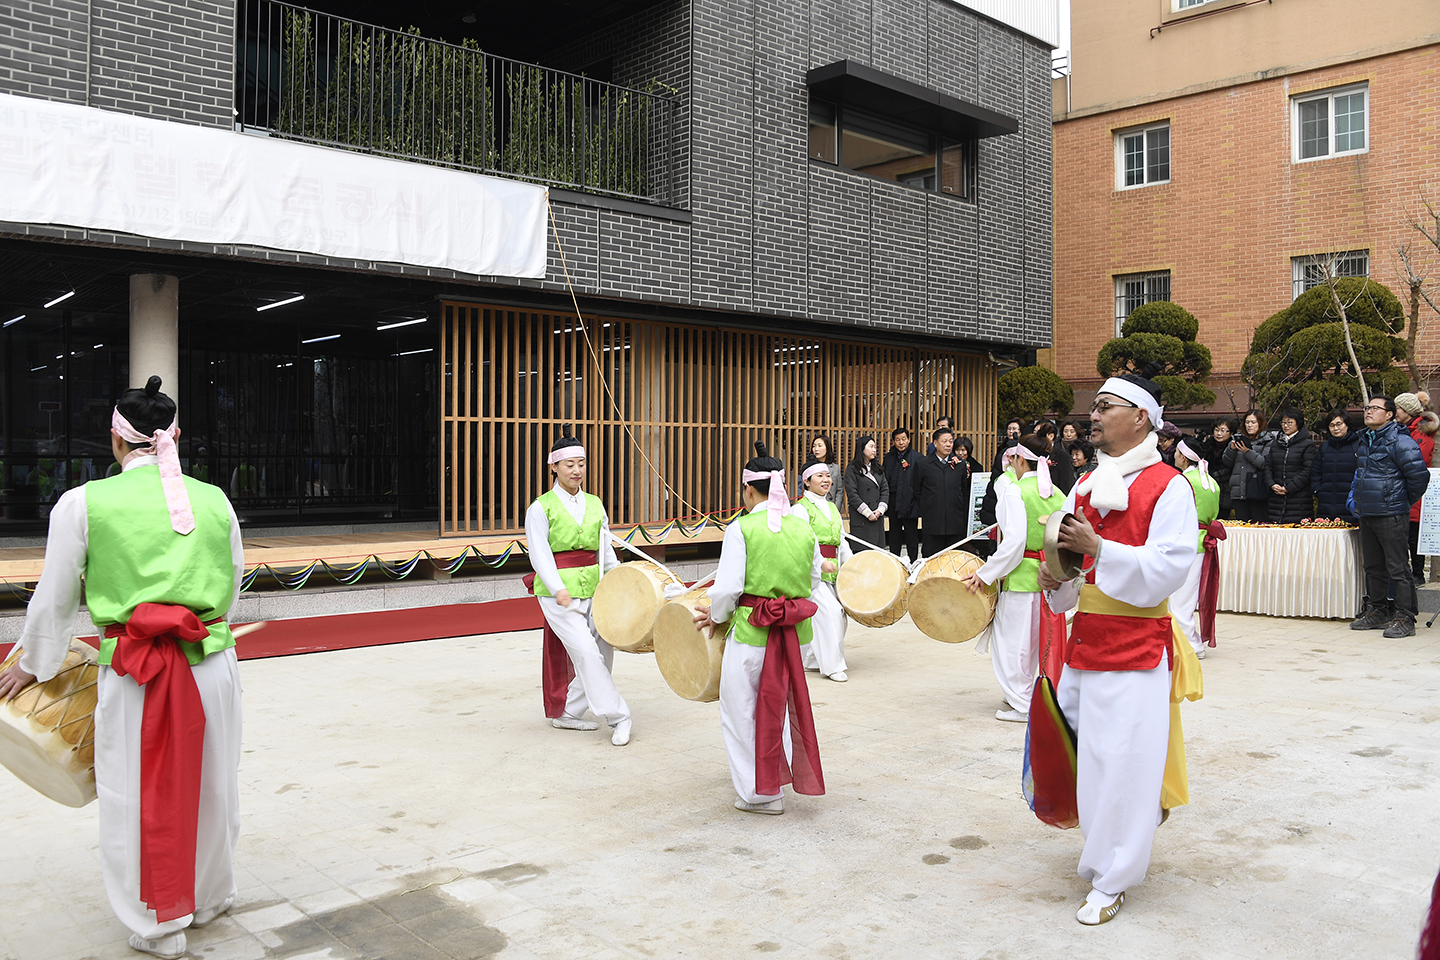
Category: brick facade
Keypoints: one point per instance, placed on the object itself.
(1237, 207)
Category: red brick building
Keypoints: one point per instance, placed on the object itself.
(1211, 153)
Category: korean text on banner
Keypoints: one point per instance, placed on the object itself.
(978, 484)
(1429, 545)
(79, 166)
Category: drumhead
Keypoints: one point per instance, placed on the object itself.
(688, 660)
(942, 607)
(625, 604)
(870, 582)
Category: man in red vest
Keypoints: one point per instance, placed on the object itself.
(1135, 516)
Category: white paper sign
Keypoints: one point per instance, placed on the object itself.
(1429, 545)
(79, 166)
(978, 483)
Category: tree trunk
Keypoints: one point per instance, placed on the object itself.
(1349, 343)
(1411, 334)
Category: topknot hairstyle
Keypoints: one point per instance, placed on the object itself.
(147, 408)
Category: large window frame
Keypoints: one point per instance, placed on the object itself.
(1142, 156)
(1318, 132)
(1137, 289)
(832, 123)
(1309, 271)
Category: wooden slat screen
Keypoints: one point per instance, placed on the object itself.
(694, 399)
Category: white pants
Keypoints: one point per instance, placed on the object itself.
(118, 715)
(739, 689)
(826, 649)
(1121, 720)
(593, 688)
(1184, 603)
(1014, 646)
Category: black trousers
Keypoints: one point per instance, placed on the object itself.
(1252, 510)
(1417, 560)
(935, 542)
(1384, 547)
(905, 531)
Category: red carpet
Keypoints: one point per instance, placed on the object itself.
(282, 638)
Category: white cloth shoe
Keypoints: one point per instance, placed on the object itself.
(206, 917)
(621, 736)
(1012, 716)
(1200, 654)
(169, 947)
(572, 723)
(1092, 913)
(772, 807)
(839, 676)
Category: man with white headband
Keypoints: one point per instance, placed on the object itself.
(162, 563)
(826, 650)
(1134, 517)
(770, 565)
(567, 533)
(1183, 605)
(1014, 635)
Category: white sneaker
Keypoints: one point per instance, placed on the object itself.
(1012, 716)
(621, 736)
(839, 676)
(1092, 914)
(772, 807)
(169, 947)
(572, 723)
(1200, 654)
(207, 917)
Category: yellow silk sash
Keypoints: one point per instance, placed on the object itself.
(1093, 600)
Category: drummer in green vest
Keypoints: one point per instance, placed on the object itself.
(568, 535)
(162, 563)
(1013, 637)
(826, 650)
(770, 564)
(1186, 600)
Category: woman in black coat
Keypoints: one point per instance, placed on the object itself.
(1213, 450)
(1333, 469)
(868, 493)
(1287, 470)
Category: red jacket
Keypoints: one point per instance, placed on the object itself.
(1422, 431)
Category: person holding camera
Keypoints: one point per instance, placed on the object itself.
(1245, 459)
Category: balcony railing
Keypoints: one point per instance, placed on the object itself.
(306, 75)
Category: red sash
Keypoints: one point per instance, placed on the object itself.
(782, 689)
(1052, 632)
(829, 551)
(556, 670)
(172, 747)
(1210, 580)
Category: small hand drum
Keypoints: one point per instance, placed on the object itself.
(1063, 564)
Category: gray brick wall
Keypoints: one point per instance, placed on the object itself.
(173, 61)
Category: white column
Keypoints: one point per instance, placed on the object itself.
(155, 331)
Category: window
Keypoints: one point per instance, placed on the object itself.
(1307, 272)
(1134, 289)
(872, 145)
(1142, 156)
(1187, 4)
(1331, 122)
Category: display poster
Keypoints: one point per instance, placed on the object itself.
(1429, 545)
(979, 482)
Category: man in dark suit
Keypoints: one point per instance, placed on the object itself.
(942, 486)
(901, 464)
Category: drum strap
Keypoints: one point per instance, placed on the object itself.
(783, 691)
(172, 747)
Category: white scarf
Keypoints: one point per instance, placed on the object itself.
(1106, 483)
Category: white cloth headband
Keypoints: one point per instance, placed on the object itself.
(1137, 395)
(565, 453)
(1193, 457)
(172, 480)
(1047, 486)
(777, 504)
(813, 469)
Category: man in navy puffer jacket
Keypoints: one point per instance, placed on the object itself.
(1391, 476)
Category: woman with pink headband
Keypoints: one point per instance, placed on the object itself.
(1014, 635)
(162, 561)
(826, 652)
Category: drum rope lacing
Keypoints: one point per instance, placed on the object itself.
(65, 702)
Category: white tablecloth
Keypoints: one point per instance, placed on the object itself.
(1291, 572)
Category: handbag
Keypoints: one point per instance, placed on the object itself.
(1255, 488)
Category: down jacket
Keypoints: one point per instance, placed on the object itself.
(1287, 463)
(1248, 462)
(1331, 473)
(1422, 431)
(1391, 475)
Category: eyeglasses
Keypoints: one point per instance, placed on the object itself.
(1375, 406)
(1100, 406)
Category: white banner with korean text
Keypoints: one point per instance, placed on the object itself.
(79, 166)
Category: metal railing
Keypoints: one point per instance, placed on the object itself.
(305, 75)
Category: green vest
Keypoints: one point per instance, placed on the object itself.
(776, 565)
(580, 582)
(135, 557)
(825, 524)
(1207, 500)
(1026, 577)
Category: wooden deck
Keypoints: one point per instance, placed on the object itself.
(23, 564)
